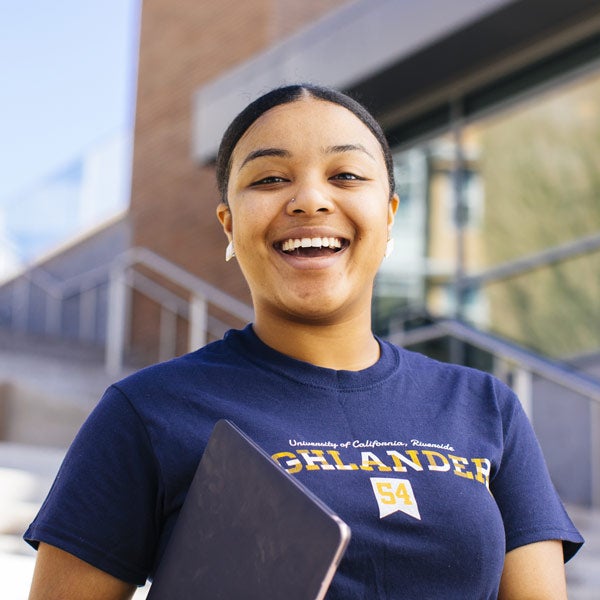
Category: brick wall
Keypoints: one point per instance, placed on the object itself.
(184, 43)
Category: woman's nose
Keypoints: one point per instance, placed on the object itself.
(309, 201)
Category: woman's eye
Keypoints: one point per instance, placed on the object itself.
(268, 180)
(347, 177)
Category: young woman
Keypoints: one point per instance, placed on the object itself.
(434, 466)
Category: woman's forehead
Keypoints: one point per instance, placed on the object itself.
(308, 122)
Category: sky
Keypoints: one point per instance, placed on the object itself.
(67, 82)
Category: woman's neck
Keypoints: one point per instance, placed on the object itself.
(342, 346)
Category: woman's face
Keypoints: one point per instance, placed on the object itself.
(309, 212)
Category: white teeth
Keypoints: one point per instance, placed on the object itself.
(317, 242)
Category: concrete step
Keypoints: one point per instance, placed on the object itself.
(26, 474)
(45, 346)
(583, 571)
(46, 389)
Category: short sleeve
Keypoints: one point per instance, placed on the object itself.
(103, 504)
(530, 506)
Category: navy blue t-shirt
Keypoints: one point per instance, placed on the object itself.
(435, 467)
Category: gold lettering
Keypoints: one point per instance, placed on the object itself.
(369, 460)
(433, 465)
(399, 459)
(293, 465)
(315, 460)
(339, 464)
(459, 466)
(483, 468)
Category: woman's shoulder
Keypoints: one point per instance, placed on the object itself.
(173, 375)
(433, 373)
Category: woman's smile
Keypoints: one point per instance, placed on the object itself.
(311, 248)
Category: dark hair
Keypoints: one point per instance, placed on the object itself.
(286, 95)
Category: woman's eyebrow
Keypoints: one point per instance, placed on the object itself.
(264, 152)
(348, 148)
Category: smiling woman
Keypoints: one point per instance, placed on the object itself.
(307, 205)
(308, 210)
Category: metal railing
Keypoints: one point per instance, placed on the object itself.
(523, 366)
(508, 353)
(120, 277)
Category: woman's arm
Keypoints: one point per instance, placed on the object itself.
(59, 575)
(534, 572)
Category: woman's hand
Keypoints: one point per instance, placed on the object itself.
(59, 575)
(534, 572)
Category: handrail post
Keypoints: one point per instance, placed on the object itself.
(88, 306)
(53, 314)
(20, 304)
(198, 322)
(116, 320)
(523, 388)
(519, 379)
(167, 341)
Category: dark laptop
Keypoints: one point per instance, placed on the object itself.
(248, 531)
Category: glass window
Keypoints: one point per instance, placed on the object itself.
(499, 191)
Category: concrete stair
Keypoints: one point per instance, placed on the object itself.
(47, 389)
(583, 571)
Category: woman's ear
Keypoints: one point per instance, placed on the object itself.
(392, 208)
(224, 216)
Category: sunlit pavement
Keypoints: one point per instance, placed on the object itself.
(27, 472)
(583, 571)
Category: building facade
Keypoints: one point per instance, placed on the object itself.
(492, 108)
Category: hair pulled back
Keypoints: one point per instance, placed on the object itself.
(286, 95)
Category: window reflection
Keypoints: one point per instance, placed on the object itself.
(528, 181)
